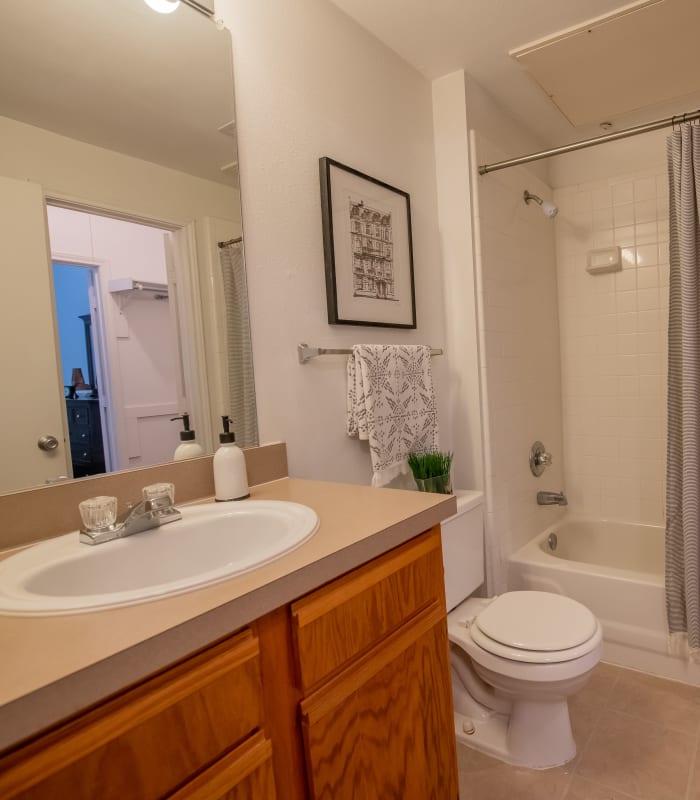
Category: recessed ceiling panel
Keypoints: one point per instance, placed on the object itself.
(641, 55)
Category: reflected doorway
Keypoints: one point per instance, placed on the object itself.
(74, 293)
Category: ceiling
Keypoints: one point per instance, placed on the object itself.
(656, 56)
(116, 74)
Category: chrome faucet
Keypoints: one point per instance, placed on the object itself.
(100, 523)
(552, 499)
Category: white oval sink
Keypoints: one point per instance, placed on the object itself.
(210, 543)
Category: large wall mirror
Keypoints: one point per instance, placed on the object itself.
(118, 183)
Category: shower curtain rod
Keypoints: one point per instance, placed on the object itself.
(230, 241)
(667, 122)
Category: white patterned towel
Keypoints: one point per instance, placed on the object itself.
(391, 402)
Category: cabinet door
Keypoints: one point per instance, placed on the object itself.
(150, 740)
(383, 728)
(243, 774)
(349, 616)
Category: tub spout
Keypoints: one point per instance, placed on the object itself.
(552, 499)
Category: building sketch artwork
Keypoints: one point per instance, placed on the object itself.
(372, 252)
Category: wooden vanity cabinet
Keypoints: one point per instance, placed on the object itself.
(373, 665)
(343, 694)
(149, 742)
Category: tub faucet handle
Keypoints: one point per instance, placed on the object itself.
(539, 459)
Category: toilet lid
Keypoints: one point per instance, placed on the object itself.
(535, 621)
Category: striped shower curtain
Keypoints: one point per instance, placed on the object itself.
(683, 449)
(242, 408)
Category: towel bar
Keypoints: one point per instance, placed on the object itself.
(307, 352)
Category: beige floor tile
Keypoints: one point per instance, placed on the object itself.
(470, 760)
(509, 783)
(646, 761)
(485, 778)
(585, 706)
(671, 704)
(581, 789)
(694, 790)
(584, 717)
(601, 683)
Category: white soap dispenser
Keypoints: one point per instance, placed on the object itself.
(230, 475)
(188, 447)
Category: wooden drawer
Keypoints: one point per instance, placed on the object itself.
(345, 618)
(243, 774)
(147, 742)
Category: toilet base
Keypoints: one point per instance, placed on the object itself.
(535, 735)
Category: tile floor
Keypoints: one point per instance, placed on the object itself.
(638, 738)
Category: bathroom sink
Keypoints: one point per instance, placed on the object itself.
(210, 543)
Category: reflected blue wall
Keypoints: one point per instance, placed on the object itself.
(71, 291)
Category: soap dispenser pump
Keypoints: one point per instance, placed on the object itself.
(188, 447)
(230, 475)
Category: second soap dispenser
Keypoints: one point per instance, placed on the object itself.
(230, 475)
(188, 447)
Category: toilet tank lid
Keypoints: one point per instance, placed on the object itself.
(468, 499)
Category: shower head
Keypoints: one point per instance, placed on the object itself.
(548, 209)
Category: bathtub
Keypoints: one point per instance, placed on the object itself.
(616, 569)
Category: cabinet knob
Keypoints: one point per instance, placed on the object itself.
(47, 443)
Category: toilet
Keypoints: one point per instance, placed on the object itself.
(515, 658)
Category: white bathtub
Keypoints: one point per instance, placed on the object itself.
(617, 570)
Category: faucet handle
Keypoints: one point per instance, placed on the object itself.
(98, 513)
(159, 491)
(539, 459)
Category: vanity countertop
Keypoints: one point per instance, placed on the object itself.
(54, 666)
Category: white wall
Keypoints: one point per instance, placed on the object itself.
(614, 327)
(311, 83)
(493, 122)
(455, 205)
(73, 170)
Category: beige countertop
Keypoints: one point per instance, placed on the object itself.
(52, 667)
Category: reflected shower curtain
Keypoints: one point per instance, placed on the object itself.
(683, 453)
(241, 384)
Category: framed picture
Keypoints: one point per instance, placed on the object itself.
(368, 250)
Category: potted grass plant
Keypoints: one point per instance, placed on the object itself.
(431, 471)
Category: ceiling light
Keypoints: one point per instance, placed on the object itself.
(163, 6)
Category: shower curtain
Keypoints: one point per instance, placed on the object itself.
(683, 448)
(242, 409)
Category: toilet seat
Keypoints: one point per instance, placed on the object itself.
(527, 627)
(536, 627)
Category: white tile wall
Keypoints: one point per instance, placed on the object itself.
(613, 330)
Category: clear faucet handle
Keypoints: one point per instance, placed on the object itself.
(158, 490)
(98, 513)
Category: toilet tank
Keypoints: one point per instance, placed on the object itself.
(463, 548)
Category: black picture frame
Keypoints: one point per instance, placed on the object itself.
(368, 249)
